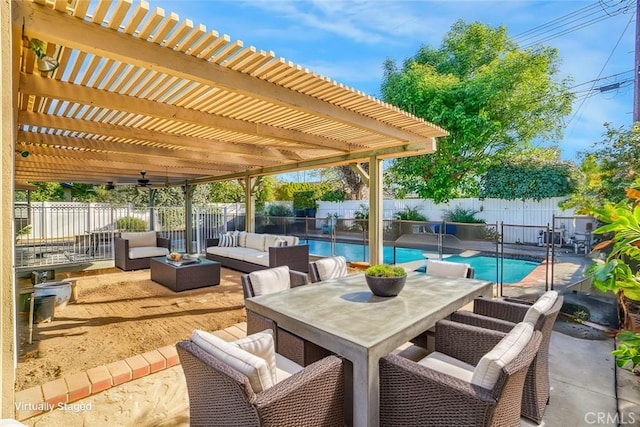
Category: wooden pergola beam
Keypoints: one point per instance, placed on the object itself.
(49, 88)
(140, 134)
(44, 23)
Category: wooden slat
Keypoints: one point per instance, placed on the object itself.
(136, 17)
(156, 17)
(165, 27)
(179, 33)
(101, 11)
(119, 13)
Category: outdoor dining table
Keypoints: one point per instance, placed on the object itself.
(344, 317)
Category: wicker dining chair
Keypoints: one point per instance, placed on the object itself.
(446, 393)
(502, 315)
(276, 279)
(219, 395)
(328, 268)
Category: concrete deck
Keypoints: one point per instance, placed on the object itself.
(584, 392)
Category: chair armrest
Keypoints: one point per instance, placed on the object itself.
(163, 242)
(481, 321)
(298, 278)
(296, 257)
(314, 393)
(465, 342)
(500, 309)
(213, 242)
(412, 394)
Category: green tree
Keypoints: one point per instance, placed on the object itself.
(226, 192)
(610, 166)
(491, 96)
(533, 174)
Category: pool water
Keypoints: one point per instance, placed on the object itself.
(485, 267)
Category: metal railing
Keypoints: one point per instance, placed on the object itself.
(62, 234)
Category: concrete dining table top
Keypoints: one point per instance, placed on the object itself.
(343, 316)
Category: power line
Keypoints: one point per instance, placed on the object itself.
(572, 22)
(602, 69)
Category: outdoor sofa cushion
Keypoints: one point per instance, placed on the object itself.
(147, 252)
(140, 239)
(541, 306)
(253, 356)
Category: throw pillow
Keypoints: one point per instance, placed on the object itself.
(227, 240)
(488, 369)
(260, 344)
(255, 368)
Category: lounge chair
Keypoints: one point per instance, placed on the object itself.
(501, 315)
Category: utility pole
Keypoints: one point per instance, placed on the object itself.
(636, 84)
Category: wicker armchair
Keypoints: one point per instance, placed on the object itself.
(328, 268)
(160, 246)
(289, 345)
(502, 315)
(220, 395)
(415, 395)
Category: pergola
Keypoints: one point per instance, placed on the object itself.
(138, 88)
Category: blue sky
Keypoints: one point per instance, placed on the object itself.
(349, 40)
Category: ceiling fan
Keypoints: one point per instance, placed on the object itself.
(144, 181)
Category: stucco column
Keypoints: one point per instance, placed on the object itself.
(7, 282)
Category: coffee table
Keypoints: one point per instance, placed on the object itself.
(184, 277)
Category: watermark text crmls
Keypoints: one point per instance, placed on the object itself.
(608, 418)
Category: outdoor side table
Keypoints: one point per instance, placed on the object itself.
(184, 277)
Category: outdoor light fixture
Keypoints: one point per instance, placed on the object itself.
(45, 63)
(22, 153)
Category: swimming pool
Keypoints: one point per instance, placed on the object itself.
(485, 266)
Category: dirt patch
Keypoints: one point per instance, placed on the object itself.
(118, 315)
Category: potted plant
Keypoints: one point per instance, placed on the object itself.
(408, 217)
(620, 271)
(385, 280)
(461, 216)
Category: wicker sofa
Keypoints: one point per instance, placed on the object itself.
(253, 251)
(134, 250)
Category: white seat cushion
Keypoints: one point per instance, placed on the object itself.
(541, 306)
(446, 268)
(285, 367)
(231, 252)
(140, 239)
(489, 367)
(260, 258)
(332, 267)
(449, 365)
(255, 368)
(270, 280)
(147, 252)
